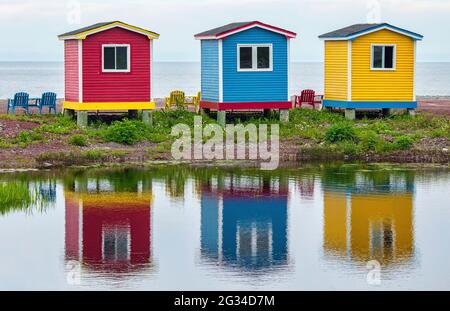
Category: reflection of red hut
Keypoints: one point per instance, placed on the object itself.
(108, 232)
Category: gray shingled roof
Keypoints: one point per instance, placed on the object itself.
(81, 30)
(362, 28)
(348, 31)
(75, 32)
(219, 30)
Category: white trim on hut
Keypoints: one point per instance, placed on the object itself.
(220, 44)
(80, 71)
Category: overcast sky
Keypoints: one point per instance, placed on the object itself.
(29, 27)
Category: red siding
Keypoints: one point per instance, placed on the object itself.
(71, 70)
(72, 228)
(133, 86)
(135, 216)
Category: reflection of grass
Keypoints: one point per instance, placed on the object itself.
(20, 196)
(14, 196)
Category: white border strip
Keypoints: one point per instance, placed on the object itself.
(220, 43)
(115, 46)
(289, 68)
(254, 57)
(394, 57)
(80, 71)
(349, 71)
(151, 69)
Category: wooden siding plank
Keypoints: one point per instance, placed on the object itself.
(336, 70)
(369, 85)
(132, 86)
(71, 81)
(210, 70)
(255, 86)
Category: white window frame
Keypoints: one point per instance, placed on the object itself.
(394, 60)
(254, 57)
(115, 57)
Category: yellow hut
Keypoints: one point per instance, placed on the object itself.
(370, 66)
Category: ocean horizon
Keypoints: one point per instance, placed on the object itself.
(33, 77)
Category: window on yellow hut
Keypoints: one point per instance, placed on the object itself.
(383, 57)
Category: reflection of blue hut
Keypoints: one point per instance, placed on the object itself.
(248, 232)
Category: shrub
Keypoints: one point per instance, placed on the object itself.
(370, 141)
(78, 140)
(404, 142)
(28, 137)
(127, 132)
(343, 131)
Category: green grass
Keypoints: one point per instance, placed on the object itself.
(60, 125)
(78, 140)
(404, 142)
(127, 132)
(342, 131)
(320, 131)
(14, 196)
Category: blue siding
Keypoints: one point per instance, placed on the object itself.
(255, 86)
(210, 70)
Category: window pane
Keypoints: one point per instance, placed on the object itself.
(122, 58)
(263, 57)
(108, 58)
(246, 61)
(377, 57)
(389, 57)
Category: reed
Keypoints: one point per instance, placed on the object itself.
(15, 196)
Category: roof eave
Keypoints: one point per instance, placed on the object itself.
(404, 32)
(223, 35)
(83, 35)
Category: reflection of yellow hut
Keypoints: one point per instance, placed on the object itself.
(368, 227)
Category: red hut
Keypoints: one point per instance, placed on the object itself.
(108, 67)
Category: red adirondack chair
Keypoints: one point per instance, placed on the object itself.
(307, 97)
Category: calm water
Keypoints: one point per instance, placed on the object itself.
(35, 78)
(209, 229)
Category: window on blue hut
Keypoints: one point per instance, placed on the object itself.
(246, 61)
(263, 57)
(383, 57)
(257, 57)
(116, 58)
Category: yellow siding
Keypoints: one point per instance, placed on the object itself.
(382, 213)
(368, 85)
(336, 70)
(335, 222)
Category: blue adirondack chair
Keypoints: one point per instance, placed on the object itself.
(48, 100)
(20, 101)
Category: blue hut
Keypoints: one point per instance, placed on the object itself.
(245, 66)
